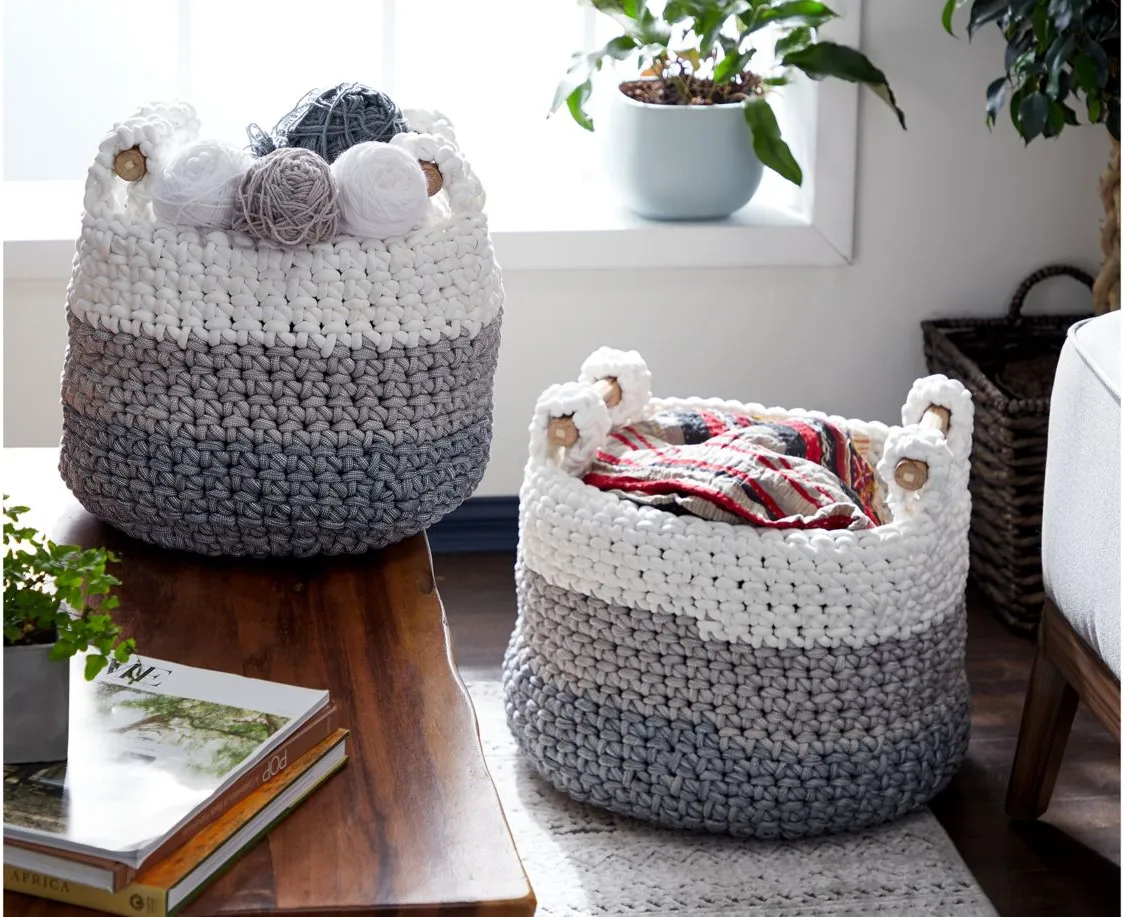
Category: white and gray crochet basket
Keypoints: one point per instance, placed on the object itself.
(757, 682)
(227, 396)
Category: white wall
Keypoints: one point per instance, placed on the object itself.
(949, 220)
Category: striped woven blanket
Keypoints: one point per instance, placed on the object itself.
(790, 473)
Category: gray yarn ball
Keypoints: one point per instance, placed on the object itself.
(288, 197)
(330, 121)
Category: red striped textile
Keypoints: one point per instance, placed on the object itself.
(791, 473)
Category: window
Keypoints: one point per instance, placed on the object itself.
(491, 65)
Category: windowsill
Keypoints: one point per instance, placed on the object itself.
(577, 227)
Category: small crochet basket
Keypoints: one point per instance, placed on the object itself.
(733, 679)
(226, 396)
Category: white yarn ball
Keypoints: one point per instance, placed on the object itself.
(199, 183)
(382, 190)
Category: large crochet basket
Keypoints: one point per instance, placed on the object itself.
(757, 682)
(226, 396)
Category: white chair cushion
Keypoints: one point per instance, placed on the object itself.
(1081, 513)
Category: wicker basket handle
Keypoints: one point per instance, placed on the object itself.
(1014, 313)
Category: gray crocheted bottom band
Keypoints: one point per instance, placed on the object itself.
(246, 498)
(282, 394)
(803, 742)
(657, 664)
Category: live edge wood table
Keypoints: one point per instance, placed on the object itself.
(412, 825)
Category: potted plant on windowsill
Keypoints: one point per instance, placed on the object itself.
(1062, 67)
(57, 600)
(689, 139)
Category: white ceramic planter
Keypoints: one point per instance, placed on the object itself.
(680, 162)
(36, 705)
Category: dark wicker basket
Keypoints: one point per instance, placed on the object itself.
(1008, 364)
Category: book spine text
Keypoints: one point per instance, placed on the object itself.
(132, 901)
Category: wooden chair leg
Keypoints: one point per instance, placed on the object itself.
(1051, 703)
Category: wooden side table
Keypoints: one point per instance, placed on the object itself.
(412, 825)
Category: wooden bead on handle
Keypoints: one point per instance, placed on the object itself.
(561, 431)
(433, 179)
(911, 474)
(935, 418)
(130, 164)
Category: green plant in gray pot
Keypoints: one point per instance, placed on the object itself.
(689, 139)
(57, 600)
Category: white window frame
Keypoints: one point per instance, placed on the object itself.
(39, 245)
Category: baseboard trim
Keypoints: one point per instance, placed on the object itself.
(480, 524)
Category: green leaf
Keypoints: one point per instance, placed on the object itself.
(1041, 23)
(983, 12)
(1061, 11)
(63, 649)
(1100, 61)
(1085, 68)
(995, 92)
(95, 664)
(947, 14)
(827, 58)
(1033, 111)
(767, 143)
(1055, 120)
(575, 102)
(809, 14)
(1070, 115)
(581, 70)
(1058, 55)
(731, 65)
(798, 38)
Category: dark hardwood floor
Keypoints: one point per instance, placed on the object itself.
(1065, 865)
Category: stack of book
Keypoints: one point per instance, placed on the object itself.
(173, 772)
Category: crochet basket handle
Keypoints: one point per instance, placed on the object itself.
(932, 448)
(1014, 312)
(909, 473)
(572, 420)
(431, 140)
(116, 181)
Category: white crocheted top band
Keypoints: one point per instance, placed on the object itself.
(141, 276)
(765, 587)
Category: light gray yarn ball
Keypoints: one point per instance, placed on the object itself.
(288, 197)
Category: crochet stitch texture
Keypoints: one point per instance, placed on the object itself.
(726, 678)
(228, 396)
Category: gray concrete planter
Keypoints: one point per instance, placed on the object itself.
(681, 162)
(36, 705)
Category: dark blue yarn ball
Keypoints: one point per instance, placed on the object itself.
(328, 122)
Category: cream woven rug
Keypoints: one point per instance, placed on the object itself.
(583, 862)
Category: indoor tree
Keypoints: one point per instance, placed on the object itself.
(1061, 69)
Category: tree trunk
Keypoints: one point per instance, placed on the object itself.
(1106, 291)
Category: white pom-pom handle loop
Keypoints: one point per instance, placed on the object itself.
(584, 410)
(563, 431)
(912, 473)
(623, 383)
(445, 168)
(126, 156)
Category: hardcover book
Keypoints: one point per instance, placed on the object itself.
(152, 744)
(165, 886)
(110, 875)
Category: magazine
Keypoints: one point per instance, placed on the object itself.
(151, 743)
